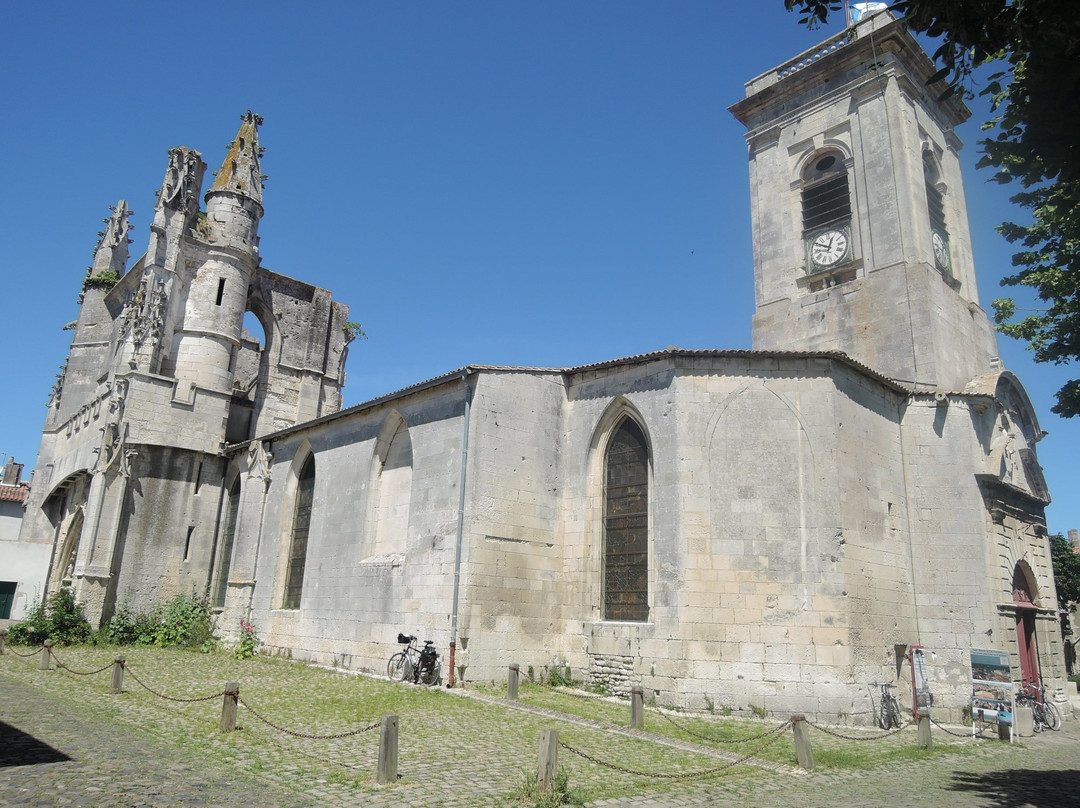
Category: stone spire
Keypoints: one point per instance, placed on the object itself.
(240, 172)
(111, 252)
(183, 179)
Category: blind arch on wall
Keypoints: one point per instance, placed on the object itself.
(228, 534)
(298, 544)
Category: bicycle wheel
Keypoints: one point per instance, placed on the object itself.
(1051, 716)
(883, 716)
(1038, 721)
(432, 676)
(398, 668)
(894, 714)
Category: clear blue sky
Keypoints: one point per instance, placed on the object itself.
(526, 183)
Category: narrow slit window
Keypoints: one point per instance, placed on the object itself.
(220, 291)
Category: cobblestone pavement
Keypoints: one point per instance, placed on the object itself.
(57, 750)
(54, 754)
(1040, 772)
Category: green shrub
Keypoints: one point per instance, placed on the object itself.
(185, 621)
(129, 628)
(557, 677)
(103, 280)
(60, 620)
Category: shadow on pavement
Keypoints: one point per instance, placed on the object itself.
(1017, 788)
(19, 749)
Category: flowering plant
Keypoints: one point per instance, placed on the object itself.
(249, 641)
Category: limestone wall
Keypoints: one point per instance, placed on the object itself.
(356, 600)
(807, 520)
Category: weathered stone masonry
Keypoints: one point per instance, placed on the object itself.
(784, 522)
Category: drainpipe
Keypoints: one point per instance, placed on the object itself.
(460, 524)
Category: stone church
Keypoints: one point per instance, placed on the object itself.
(769, 528)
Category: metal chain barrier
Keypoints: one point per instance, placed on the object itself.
(321, 758)
(60, 664)
(949, 731)
(685, 775)
(24, 656)
(879, 737)
(765, 734)
(143, 685)
(308, 735)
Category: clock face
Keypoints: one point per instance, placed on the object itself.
(941, 250)
(828, 248)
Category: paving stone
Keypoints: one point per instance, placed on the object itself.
(61, 748)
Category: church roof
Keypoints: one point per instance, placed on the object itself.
(670, 352)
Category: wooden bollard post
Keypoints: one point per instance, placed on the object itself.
(229, 706)
(549, 760)
(3, 640)
(117, 682)
(637, 708)
(925, 741)
(388, 750)
(46, 656)
(803, 753)
(512, 682)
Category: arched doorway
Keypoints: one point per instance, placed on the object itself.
(1024, 596)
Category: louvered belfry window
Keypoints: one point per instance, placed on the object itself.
(826, 203)
(294, 578)
(626, 525)
(935, 199)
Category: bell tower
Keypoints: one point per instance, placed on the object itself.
(861, 240)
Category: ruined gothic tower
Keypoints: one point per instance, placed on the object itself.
(162, 377)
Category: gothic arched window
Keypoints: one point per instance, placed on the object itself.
(626, 525)
(294, 575)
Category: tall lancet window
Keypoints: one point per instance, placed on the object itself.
(626, 525)
(294, 576)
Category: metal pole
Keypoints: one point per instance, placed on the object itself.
(460, 525)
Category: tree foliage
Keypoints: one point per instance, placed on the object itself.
(1033, 141)
(1066, 571)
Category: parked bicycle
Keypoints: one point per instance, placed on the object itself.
(416, 665)
(1044, 714)
(889, 711)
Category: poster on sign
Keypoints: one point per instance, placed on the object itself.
(991, 690)
(920, 682)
